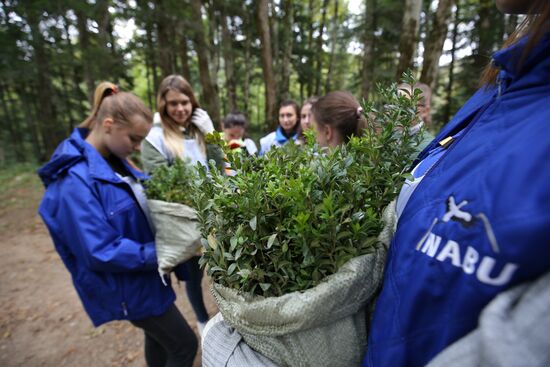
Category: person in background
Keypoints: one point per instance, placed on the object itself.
(305, 117)
(97, 216)
(467, 281)
(289, 127)
(424, 113)
(179, 132)
(234, 132)
(336, 117)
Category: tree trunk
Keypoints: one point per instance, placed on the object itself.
(49, 128)
(287, 41)
(310, 58)
(12, 125)
(484, 31)
(409, 36)
(77, 93)
(334, 42)
(184, 56)
(434, 43)
(28, 100)
(214, 41)
(84, 43)
(368, 47)
(227, 42)
(319, 66)
(267, 63)
(247, 62)
(165, 48)
(448, 106)
(209, 90)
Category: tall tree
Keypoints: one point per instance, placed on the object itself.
(166, 47)
(454, 39)
(209, 89)
(320, 52)
(434, 43)
(49, 128)
(333, 43)
(262, 14)
(409, 36)
(227, 43)
(287, 38)
(368, 47)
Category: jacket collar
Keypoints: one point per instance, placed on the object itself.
(508, 58)
(281, 137)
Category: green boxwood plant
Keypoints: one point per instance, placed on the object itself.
(289, 219)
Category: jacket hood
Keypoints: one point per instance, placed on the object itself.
(67, 154)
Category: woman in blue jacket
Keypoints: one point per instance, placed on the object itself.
(289, 127)
(471, 242)
(96, 213)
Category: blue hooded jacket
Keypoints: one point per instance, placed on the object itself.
(101, 234)
(479, 221)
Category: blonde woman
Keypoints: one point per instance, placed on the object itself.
(179, 130)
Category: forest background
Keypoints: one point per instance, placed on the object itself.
(238, 55)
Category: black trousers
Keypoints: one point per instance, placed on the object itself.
(169, 341)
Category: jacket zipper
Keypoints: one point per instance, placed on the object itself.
(451, 144)
(124, 309)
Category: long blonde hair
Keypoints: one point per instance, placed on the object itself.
(171, 130)
(121, 107)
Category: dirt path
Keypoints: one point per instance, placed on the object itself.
(42, 322)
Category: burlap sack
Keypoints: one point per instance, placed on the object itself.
(177, 235)
(322, 326)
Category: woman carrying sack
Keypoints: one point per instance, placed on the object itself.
(178, 132)
(97, 215)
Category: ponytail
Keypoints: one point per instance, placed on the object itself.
(121, 107)
(102, 91)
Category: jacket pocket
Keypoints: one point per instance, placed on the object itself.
(120, 207)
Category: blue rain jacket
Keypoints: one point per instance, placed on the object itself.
(101, 234)
(479, 221)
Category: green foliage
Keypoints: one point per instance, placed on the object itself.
(289, 219)
(173, 183)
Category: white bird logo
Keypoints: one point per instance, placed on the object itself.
(454, 211)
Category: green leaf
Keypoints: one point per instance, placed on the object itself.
(231, 268)
(271, 240)
(253, 222)
(212, 241)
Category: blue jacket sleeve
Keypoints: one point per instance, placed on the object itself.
(88, 234)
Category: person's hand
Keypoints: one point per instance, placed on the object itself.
(201, 120)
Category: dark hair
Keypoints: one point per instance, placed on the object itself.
(234, 119)
(341, 111)
(296, 107)
(535, 25)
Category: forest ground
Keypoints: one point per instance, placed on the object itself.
(42, 322)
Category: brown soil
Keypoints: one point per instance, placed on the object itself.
(42, 322)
